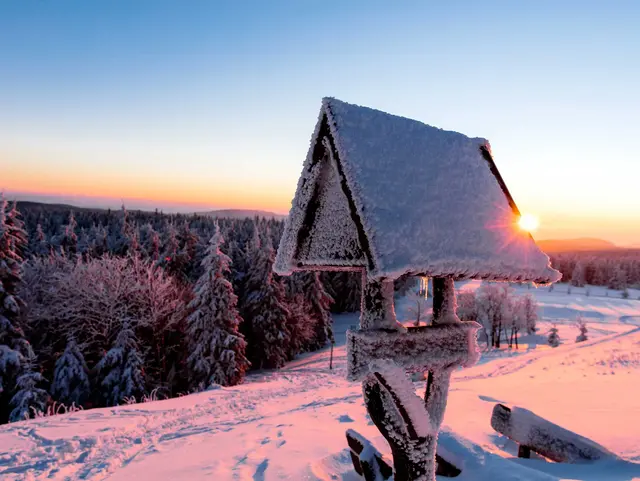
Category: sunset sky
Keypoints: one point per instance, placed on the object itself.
(203, 104)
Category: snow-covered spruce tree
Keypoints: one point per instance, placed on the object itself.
(581, 324)
(15, 351)
(40, 247)
(29, 398)
(318, 302)
(120, 373)
(619, 279)
(71, 377)
(578, 277)
(300, 326)
(265, 311)
(69, 239)
(216, 347)
(150, 241)
(554, 338)
(344, 288)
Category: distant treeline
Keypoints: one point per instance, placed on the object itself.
(617, 269)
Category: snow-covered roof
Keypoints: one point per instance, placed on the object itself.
(398, 196)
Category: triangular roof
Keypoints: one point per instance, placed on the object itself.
(420, 200)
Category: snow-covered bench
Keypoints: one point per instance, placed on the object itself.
(534, 433)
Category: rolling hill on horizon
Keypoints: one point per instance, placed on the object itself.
(226, 213)
(241, 213)
(578, 244)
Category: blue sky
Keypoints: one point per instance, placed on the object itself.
(211, 104)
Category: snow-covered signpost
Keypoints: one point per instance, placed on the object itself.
(389, 196)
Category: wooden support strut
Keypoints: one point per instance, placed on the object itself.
(437, 349)
(376, 310)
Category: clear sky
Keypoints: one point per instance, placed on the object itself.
(205, 104)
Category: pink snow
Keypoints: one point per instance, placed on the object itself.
(290, 424)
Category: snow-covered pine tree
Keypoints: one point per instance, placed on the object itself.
(120, 372)
(344, 288)
(578, 277)
(554, 338)
(217, 349)
(170, 248)
(84, 243)
(29, 398)
(71, 377)
(619, 279)
(69, 240)
(41, 247)
(582, 326)
(150, 241)
(300, 326)
(265, 311)
(14, 348)
(317, 301)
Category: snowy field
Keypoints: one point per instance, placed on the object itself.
(290, 424)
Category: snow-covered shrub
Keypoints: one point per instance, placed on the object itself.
(554, 338)
(581, 324)
(54, 409)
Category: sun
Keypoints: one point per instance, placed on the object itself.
(528, 222)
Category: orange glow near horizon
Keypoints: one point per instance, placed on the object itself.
(203, 194)
(175, 189)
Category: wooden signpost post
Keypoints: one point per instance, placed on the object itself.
(388, 196)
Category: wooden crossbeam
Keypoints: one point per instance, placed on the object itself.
(424, 348)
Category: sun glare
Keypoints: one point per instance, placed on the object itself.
(528, 222)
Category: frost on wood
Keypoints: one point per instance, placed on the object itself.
(394, 413)
(333, 237)
(444, 301)
(397, 173)
(371, 464)
(367, 460)
(419, 349)
(398, 382)
(546, 438)
(377, 311)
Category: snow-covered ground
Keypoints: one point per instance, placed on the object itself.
(290, 424)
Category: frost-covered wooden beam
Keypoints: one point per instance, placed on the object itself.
(377, 311)
(546, 438)
(425, 348)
